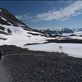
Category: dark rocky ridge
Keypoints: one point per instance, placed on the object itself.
(11, 49)
(65, 41)
(9, 18)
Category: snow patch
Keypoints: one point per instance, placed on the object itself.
(74, 50)
(0, 10)
(20, 36)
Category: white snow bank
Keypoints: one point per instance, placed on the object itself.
(74, 50)
(20, 37)
(78, 33)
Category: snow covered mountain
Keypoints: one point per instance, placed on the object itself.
(77, 29)
(15, 32)
(59, 31)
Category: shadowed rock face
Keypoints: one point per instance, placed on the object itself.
(8, 18)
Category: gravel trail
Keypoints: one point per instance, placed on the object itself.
(4, 74)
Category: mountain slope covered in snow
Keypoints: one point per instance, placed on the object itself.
(15, 32)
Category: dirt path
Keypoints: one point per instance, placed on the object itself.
(4, 75)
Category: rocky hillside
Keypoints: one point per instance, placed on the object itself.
(15, 32)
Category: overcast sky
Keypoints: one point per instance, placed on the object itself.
(47, 14)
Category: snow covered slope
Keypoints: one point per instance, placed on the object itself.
(15, 32)
(19, 36)
(74, 50)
